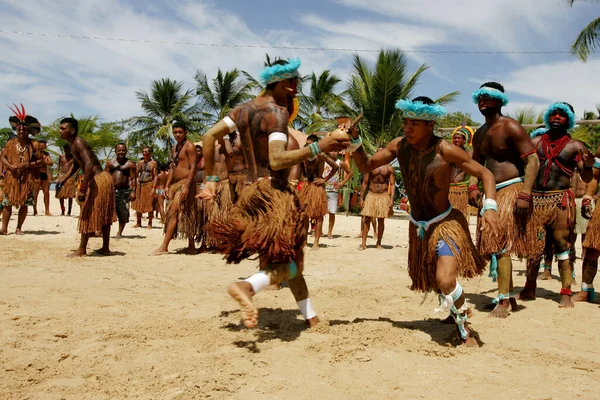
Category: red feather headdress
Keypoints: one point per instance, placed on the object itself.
(21, 117)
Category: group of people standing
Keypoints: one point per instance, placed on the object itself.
(249, 189)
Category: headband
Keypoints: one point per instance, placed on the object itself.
(465, 131)
(278, 73)
(419, 110)
(563, 107)
(490, 92)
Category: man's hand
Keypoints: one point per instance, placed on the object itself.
(167, 190)
(329, 144)
(58, 185)
(209, 192)
(351, 129)
(132, 196)
(184, 194)
(475, 199)
(338, 185)
(586, 211)
(489, 220)
(22, 166)
(319, 181)
(587, 158)
(523, 207)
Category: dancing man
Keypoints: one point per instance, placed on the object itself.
(44, 180)
(123, 173)
(378, 202)
(440, 245)
(69, 188)
(145, 194)
(21, 161)
(266, 219)
(96, 192)
(181, 217)
(459, 197)
(503, 146)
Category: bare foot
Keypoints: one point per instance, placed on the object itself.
(361, 247)
(118, 236)
(19, 232)
(149, 227)
(379, 247)
(528, 293)
(329, 236)
(48, 214)
(581, 296)
(566, 302)
(137, 226)
(315, 246)
(546, 275)
(471, 342)
(513, 304)
(189, 251)
(62, 214)
(103, 252)
(501, 310)
(3, 233)
(78, 253)
(312, 322)
(242, 293)
(160, 251)
(35, 213)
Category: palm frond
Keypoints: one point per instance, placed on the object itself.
(587, 40)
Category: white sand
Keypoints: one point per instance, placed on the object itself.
(134, 325)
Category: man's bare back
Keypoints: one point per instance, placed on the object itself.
(85, 158)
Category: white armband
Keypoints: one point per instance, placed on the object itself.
(230, 124)
(278, 136)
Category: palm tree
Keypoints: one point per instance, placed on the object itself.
(101, 136)
(228, 90)
(527, 115)
(587, 40)
(166, 102)
(375, 92)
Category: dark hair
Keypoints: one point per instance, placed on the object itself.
(121, 144)
(425, 100)
(313, 138)
(67, 146)
(179, 124)
(149, 149)
(568, 105)
(271, 86)
(72, 123)
(493, 85)
(41, 141)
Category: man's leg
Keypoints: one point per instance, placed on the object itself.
(62, 206)
(105, 250)
(365, 232)
(121, 227)
(150, 217)
(21, 220)
(139, 220)
(6, 214)
(81, 251)
(36, 192)
(504, 287)
(533, 267)
(299, 289)
(70, 206)
(565, 268)
(548, 256)
(318, 231)
(170, 231)
(379, 231)
(589, 270)
(46, 191)
(331, 224)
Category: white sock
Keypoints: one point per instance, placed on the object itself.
(259, 281)
(307, 309)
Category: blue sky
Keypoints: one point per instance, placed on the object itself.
(53, 77)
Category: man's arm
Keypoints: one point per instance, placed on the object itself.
(72, 171)
(107, 167)
(585, 162)
(347, 176)
(191, 152)
(154, 176)
(524, 146)
(133, 177)
(386, 156)
(392, 184)
(217, 132)
(363, 188)
(457, 156)
(332, 164)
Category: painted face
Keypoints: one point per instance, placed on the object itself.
(416, 130)
(146, 154)
(23, 131)
(65, 130)
(558, 119)
(487, 104)
(179, 134)
(121, 151)
(458, 140)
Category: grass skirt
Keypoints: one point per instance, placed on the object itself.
(592, 236)
(238, 180)
(267, 220)
(314, 200)
(98, 209)
(144, 198)
(422, 258)
(511, 237)
(184, 211)
(377, 205)
(68, 190)
(220, 209)
(459, 198)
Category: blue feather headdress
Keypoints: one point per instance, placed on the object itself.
(419, 110)
(538, 132)
(563, 107)
(278, 73)
(490, 92)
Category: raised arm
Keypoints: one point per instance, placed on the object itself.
(347, 175)
(332, 164)
(585, 162)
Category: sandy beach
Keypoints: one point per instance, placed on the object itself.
(137, 326)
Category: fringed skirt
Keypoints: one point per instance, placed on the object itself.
(184, 211)
(267, 220)
(377, 205)
(238, 181)
(592, 235)
(144, 198)
(459, 198)
(68, 189)
(314, 200)
(18, 188)
(98, 209)
(512, 235)
(219, 209)
(422, 257)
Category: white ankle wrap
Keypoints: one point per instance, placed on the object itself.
(307, 309)
(259, 281)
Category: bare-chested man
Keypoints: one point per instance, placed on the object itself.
(181, 217)
(220, 206)
(21, 160)
(123, 173)
(44, 182)
(503, 146)
(69, 188)
(147, 175)
(312, 194)
(267, 218)
(236, 163)
(459, 197)
(553, 201)
(379, 200)
(440, 245)
(97, 203)
(591, 243)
